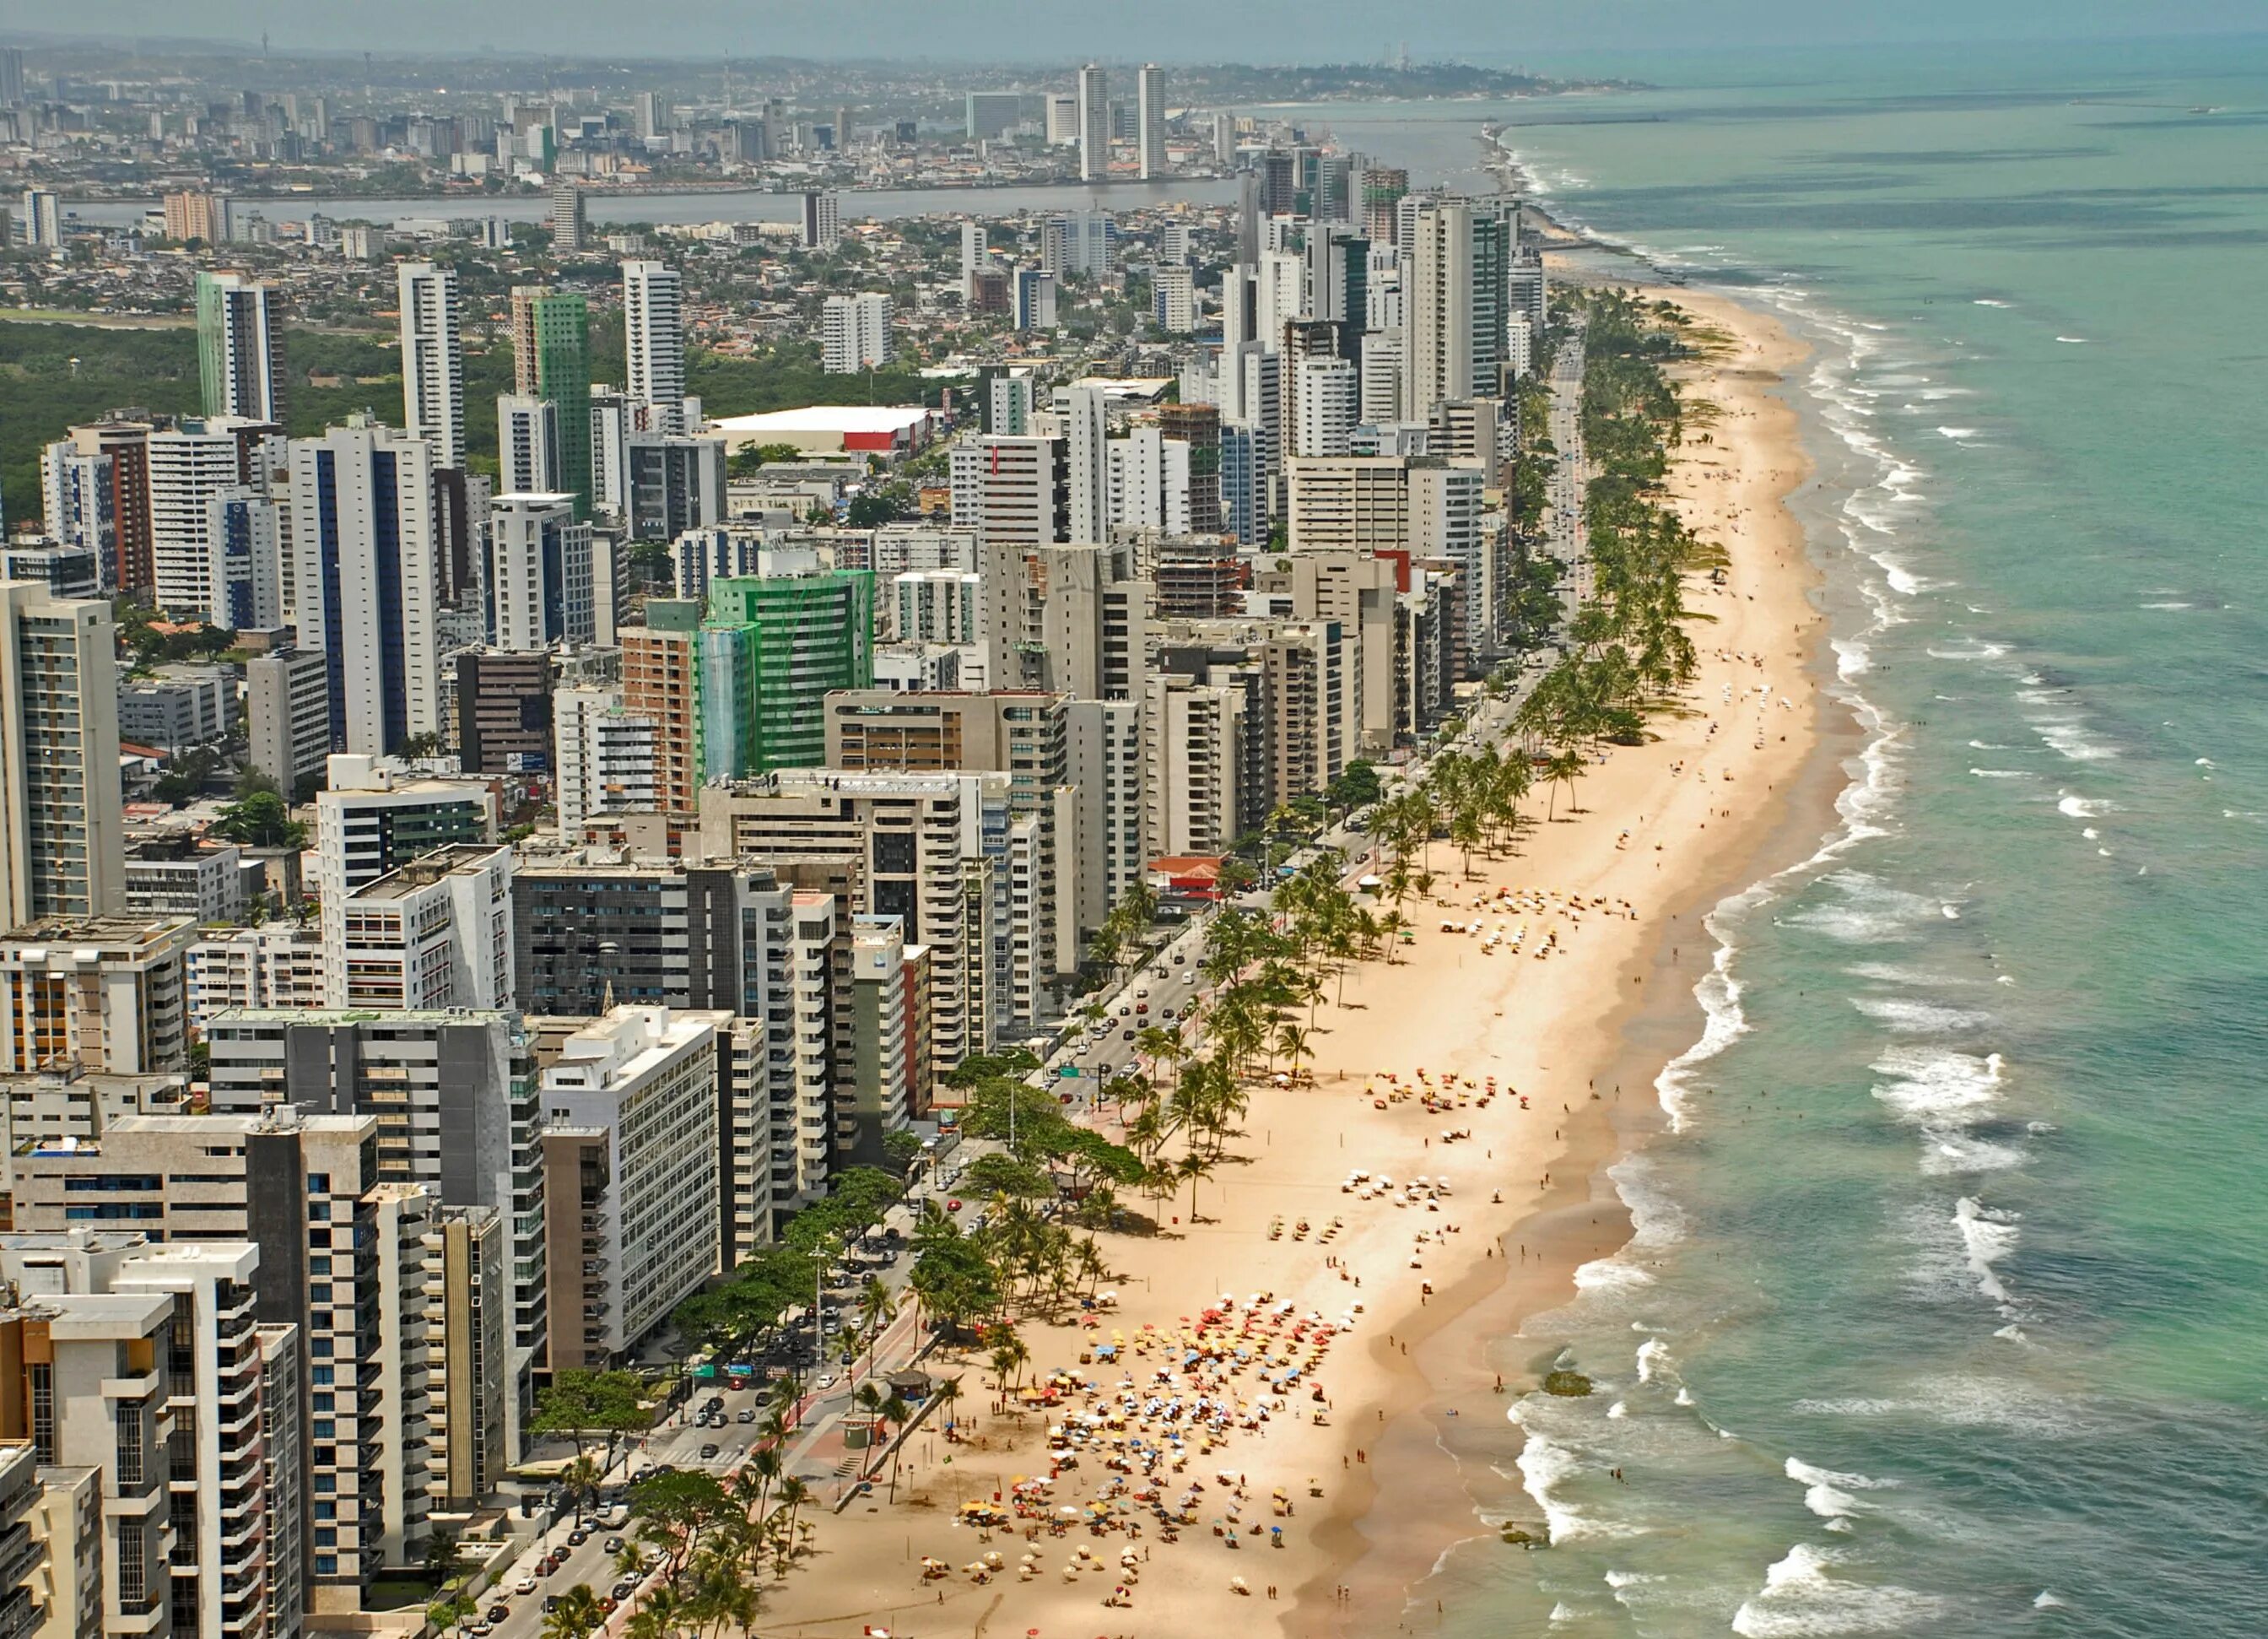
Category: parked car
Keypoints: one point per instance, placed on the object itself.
(577, 1537)
(613, 1545)
(526, 1585)
(498, 1612)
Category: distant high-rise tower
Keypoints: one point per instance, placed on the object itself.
(527, 445)
(855, 333)
(240, 346)
(1150, 128)
(551, 358)
(43, 220)
(12, 76)
(432, 360)
(1094, 124)
(653, 321)
(61, 828)
(822, 221)
(568, 226)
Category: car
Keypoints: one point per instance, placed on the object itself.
(606, 1605)
(826, 1380)
(526, 1585)
(1179, 957)
(953, 1204)
(1141, 1006)
(577, 1537)
(613, 1545)
(550, 1603)
(554, 1559)
(1140, 994)
(498, 1612)
(708, 1451)
(748, 1414)
(1166, 1014)
(479, 1631)
(625, 1588)
(1127, 1034)
(1125, 1011)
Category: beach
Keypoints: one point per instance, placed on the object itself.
(1536, 1024)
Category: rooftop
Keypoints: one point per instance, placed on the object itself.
(828, 418)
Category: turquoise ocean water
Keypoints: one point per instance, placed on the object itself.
(1947, 1311)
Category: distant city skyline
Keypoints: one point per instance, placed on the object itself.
(1179, 32)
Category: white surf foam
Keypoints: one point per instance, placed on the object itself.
(1936, 1085)
(1802, 1597)
(1918, 1018)
(1988, 1235)
(2083, 807)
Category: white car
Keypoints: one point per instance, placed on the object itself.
(826, 1380)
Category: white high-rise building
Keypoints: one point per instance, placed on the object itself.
(1325, 405)
(603, 757)
(368, 570)
(79, 490)
(1062, 119)
(432, 360)
(974, 255)
(855, 333)
(1381, 377)
(43, 220)
(189, 465)
(1094, 124)
(1150, 127)
(1174, 296)
(538, 572)
(822, 221)
(1086, 422)
(61, 827)
(653, 320)
(527, 445)
(1453, 277)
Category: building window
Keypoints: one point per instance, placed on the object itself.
(43, 1411)
(128, 1419)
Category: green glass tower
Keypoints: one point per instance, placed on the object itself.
(769, 652)
(551, 358)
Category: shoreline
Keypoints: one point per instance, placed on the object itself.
(1474, 1334)
(1409, 1366)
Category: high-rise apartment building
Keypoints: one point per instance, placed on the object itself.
(1453, 273)
(1065, 619)
(855, 333)
(297, 1187)
(1150, 126)
(79, 496)
(551, 358)
(570, 228)
(434, 934)
(185, 469)
(43, 220)
(740, 938)
(661, 686)
(653, 321)
(453, 1098)
(288, 708)
(539, 572)
(61, 825)
(527, 445)
(240, 346)
(124, 441)
(633, 1098)
(1094, 124)
(770, 649)
(433, 360)
(104, 994)
(368, 578)
(823, 220)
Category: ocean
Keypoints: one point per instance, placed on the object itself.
(1945, 1311)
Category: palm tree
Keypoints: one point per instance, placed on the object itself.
(896, 1413)
(581, 1479)
(794, 1495)
(1291, 1042)
(1565, 768)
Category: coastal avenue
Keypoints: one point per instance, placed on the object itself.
(1566, 542)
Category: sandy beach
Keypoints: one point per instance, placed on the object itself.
(1527, 1046)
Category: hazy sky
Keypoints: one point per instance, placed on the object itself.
(1001, 31)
